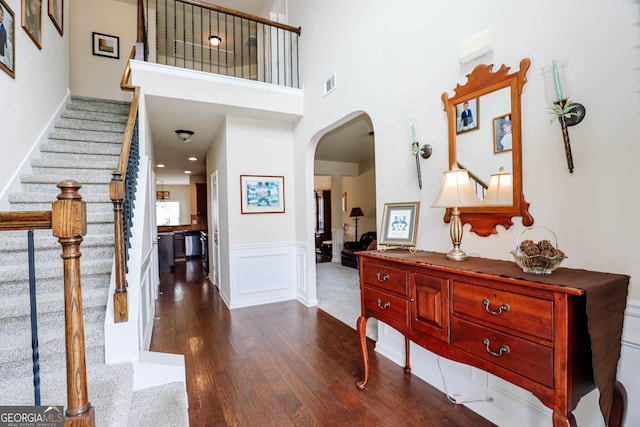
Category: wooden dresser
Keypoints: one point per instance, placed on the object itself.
(556, 335)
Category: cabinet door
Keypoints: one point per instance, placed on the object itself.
(429, 306)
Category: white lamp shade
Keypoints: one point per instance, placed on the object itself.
(456, 191)
(500, 191)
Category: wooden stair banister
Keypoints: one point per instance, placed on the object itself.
(67, 220)
(117, 193)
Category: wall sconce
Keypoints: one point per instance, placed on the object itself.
(456, 192)
(355, 213)
(185, 135)
(423, 151)
(500, 190)
(215, 40)
(558, 89)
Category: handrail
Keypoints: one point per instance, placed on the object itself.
(248, 16)
(475, 178)
(117, 192)
(68, 222)
(35, 220)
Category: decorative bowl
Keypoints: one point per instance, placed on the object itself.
(537, 251)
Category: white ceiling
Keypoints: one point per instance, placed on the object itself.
(350, 142)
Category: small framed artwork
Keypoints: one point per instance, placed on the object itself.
(468, 116)
(7, 39)
(105, 45)
(163, 195)
(261, 194)
(400, 224)
(32, 20)
(502, 134)
(56, 13)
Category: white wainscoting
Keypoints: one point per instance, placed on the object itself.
(505, 404)
(262, 274)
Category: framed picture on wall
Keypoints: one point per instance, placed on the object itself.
(261, 194)
(56, 13)
(32, 20)
(7, 39)
(400, 224)
(106, 45)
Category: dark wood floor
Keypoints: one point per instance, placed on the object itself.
(284, 364)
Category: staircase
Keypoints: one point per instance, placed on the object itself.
(84, 146)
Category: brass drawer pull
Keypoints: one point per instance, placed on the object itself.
(503, 307)
(384, 278)
(383, 307)
(503, 350)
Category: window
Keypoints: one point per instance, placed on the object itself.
(168, 213)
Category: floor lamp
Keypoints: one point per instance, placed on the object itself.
(355, 213)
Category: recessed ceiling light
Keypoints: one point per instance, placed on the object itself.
(160, 165)
(193, 159)
(187, 172)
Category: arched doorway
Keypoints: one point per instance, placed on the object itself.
(344, 180)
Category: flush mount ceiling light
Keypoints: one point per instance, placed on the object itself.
(185, 135)
(160, 165)
(193, 159)
(215, 40)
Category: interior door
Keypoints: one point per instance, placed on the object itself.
(214, 259)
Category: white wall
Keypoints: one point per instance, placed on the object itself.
(111, 17)
(395, 61)
(30, 100)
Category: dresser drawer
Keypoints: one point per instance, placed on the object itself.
(382, 276)
(384, 306)
(518, 355)
(526, 314)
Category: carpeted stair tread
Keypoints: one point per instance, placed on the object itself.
(47, 302)
(110, 391)
(51, 270)
(82, 177)
(97, 116)
(44, 165)
(81, 147)
(77, 135)
(164, 405)
(81, 124)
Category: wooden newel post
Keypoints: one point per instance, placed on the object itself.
(69, 224)
(117, 194)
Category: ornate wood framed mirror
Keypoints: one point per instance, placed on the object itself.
(485, 135)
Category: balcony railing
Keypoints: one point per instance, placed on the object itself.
(249, 47)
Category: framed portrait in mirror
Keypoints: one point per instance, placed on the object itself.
(502, 141)
(468, 116)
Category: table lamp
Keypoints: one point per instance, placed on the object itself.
(500, 190)
(456, 192)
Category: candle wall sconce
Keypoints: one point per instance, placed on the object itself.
(569, 113)
(418, 151)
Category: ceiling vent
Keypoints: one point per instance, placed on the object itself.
(203, 53)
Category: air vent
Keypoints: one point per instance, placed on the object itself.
(329, 85)
(203, 53)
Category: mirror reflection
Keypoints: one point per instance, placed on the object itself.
(483, 137)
